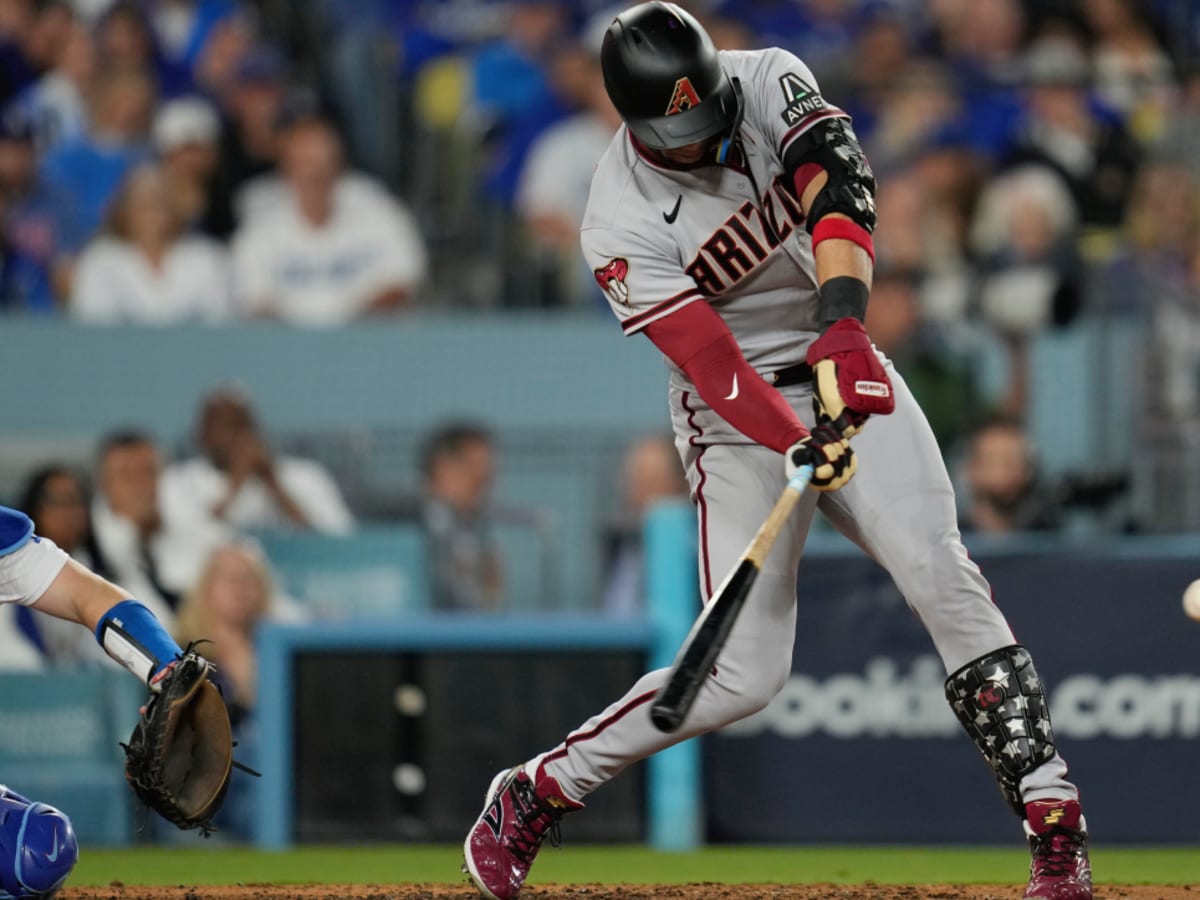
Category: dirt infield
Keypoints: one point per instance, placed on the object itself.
(611, 892)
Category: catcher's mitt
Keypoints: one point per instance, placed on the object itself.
(179, 757)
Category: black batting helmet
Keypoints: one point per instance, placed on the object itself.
(663, 75)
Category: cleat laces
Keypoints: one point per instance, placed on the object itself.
(1056, 853)
(535, 819)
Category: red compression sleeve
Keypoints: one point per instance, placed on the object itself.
(698, 341)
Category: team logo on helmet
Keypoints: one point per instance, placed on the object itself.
(683, 97)
(611, 278)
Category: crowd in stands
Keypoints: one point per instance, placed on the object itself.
(160, 165)
(180, 161)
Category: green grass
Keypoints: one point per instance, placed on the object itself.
(632, 865)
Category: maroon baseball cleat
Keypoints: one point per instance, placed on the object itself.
(509, 832)
(1058, 838)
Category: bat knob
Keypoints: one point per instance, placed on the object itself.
(665, 718)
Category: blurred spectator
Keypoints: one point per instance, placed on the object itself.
(555, 181)
(1094, 154)
(38, 233)
(863, 80)
(922, 227)
(938, 373)
(186, 132)
(1182, 135)
(919, 104)
(981, 41)
(1024, 239)
(1153, 280)
(239, 481)
(182, 27)
(57, 499)
(1004, 492)
(252, 101)
(30, 35)
(229, 599)
(229, 43)
(126, 42)
(330, 254)
(363, 44)
(91, 168)
(57, 102)
(265, 193)
(513, 98)
(458, 467)
(16, 68)
(1132, 72)
(900, 232)
(1001, 476)
(145, 269)
(153, 552)
(651, 472)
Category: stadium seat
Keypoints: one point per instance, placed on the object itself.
(378, 571)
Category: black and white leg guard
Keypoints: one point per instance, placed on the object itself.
(999, 699)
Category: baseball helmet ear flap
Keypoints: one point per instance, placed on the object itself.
(38, 848)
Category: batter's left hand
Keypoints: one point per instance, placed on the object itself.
(828, 452)
(849, 381)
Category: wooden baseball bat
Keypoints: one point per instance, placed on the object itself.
(708, 635)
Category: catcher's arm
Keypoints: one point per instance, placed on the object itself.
(179, 757)
(124, 628)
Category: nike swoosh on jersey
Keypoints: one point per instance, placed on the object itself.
(670, 217)
(733, 394)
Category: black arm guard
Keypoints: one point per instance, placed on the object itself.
(999, 699)
(850, 188)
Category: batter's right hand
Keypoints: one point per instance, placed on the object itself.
(828, 452)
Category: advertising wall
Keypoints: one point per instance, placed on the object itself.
(861, 744)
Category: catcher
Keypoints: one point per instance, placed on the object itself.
(179, 758)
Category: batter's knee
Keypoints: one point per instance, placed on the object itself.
(944, 576)
(745, 696)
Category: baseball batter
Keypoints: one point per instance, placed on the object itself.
(37, 844)
(730, 223)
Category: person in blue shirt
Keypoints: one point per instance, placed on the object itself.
(91, 168)
(38, 229)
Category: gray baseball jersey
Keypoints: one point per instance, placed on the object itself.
(660, 238)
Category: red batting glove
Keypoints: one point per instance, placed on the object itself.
(849, 381)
